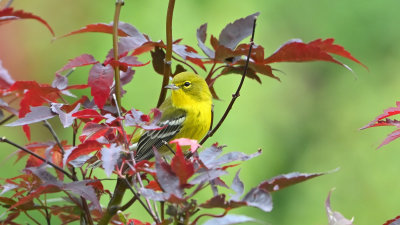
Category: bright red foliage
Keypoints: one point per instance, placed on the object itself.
(8, 14)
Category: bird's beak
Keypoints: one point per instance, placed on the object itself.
(172, 87)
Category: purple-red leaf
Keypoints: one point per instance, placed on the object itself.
(82, 149)
(100, 80)
(219, 201)
(7, 14)
(127, 76)
(82, 60)
(166, 177)
(328, 46)
(35, 115)
(259, 198)
(93, 131)
(34, 194)
(66, 118)
(391, 137)
(138, 119)
(110, 157)
(216, 202)
(207, 175)
(60, 82)
(88, 113)
(285, 180)
(335, 218)
(394, 221)
(188, 53)
(81, 188)
(235, 32)
(183, 168)
(98, 27)
(154, 195)
(237, 186)
(230, 157)
(201, 39)
(229, 220)
(318, 50)
(386, 113)
(209, 154)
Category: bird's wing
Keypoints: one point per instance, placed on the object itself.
(157, 138)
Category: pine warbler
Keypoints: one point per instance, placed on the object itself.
(185, 114)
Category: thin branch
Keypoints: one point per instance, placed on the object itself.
(4, 139)
(168, 53)
(219, 67)
(128, 204)
(88, 217)
(156, 210)
(70, 72)
(121, 124)
(212, 215)
(47, 214)
(30, 217)
(6, 119)
(209, 75)
(74, 133)
(115, 201)
(162, 205)
(237, 93)
(187, 64)
(9, 4)
(149, 210)
(118, 6)
(50, 128)
(169, 147)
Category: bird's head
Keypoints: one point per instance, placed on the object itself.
(189, 88)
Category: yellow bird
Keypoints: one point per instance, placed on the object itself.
(185, 114)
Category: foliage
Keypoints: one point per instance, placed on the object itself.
(99, 123)
(384, 120)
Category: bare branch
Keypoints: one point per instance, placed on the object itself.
(168, 53)
(118, 6)
(4, 139)
(237, 93)
(148, 209)
(50, 128)
(187, 64)
(7, 119)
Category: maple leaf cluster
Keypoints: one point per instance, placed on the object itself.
(101, 142)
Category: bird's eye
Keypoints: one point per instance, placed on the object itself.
(187, 84)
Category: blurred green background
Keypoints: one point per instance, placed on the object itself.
(309, 122)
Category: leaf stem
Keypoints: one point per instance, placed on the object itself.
(209, 75)
(211, 215)
(128, 204)
(9, 4)
(187, 64)
(4, 139)
(118, 6)
(168, 53)
(237, 93)
(30, 217)
(115, 201)
(53, 133)
(162, 205)
(148, 209)
(88, 216)
(7, 119)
